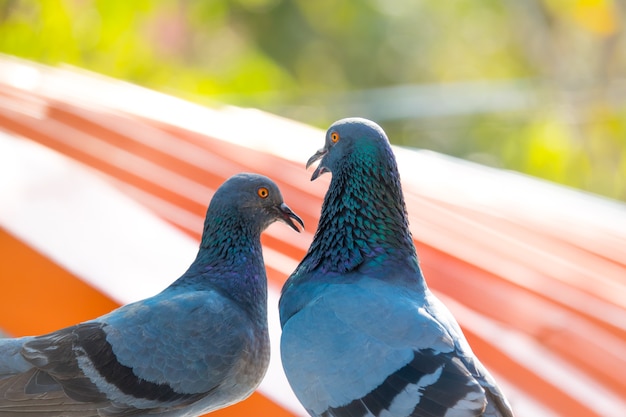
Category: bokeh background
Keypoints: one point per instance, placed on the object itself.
(535, 86)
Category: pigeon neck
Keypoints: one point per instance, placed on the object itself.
(230, 259)
(364, 219)
(230, 243)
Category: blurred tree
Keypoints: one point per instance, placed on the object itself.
(535, 85)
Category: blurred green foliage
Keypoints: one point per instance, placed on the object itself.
(536, 86)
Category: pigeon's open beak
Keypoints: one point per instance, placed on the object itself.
(320, 168)
(288, 216)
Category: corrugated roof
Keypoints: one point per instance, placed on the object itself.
(534, 272)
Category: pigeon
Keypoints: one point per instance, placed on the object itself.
(362, 335)
(199, 345)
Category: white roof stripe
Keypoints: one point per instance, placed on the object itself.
(541, 361)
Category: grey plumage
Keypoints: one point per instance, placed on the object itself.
(362, 334)
(199, 345)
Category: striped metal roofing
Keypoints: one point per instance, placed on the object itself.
(104, 186)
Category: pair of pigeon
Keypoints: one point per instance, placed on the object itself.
(362, 334)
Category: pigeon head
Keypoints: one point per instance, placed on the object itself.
(255, 200)
(341, 139)
(240, 210)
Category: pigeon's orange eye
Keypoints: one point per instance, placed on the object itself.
(334, 137)
(263, 192)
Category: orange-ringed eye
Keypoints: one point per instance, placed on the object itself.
(263, 192)
(334, 137)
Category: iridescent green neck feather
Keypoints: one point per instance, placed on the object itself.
(364, 219)
(230, 259)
